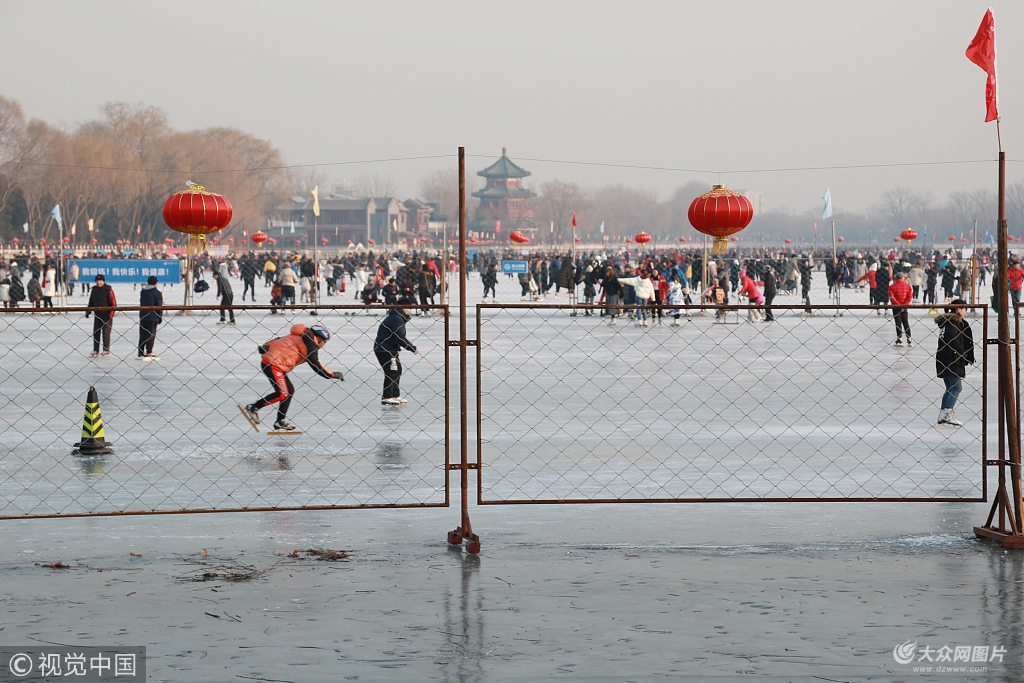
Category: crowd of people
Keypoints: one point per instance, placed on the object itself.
(642, 288)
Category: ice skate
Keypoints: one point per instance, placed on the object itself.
(390, 402)
(283, 426)
(675, 323)
(909, 342)
(401, 400)
(899, 342)
(611, 324)
(250, 415)
(951, 419)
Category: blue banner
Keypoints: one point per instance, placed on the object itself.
(127, 270)
(513, 266)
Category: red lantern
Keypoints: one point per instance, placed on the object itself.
(841, 240)
(259, 238)
(952, 238)
(895, 239)
(1010, 238)
(735, 239)
(231, 240)
(908, 235)
(168, 241)
(197, 213)
(66, 240)
(350, 243)
(578, 239)
(215, 240)
(272, 240)
(15, 240)
(720, 213)
(93, 240)
(152, 244)
(518, 237)
(642, 238)
(963, 239)
(787, 241)
(372, 242)
(298, 242)
(323, 240)
(682, 239)
(42, 240)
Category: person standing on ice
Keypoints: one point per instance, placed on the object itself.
(901, 294)
(954, 352)
(390, 341)
(278, 358)
(150, 296)
(748, 287)
(101, 296)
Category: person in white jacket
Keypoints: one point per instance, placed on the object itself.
(644, 289)
(362, 276)
(49, 287)
(288, 280)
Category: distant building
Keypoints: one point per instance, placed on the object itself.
(340, 220)
(756, 200)
(503, 200)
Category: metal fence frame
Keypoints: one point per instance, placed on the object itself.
(443, 310)
(837, 310)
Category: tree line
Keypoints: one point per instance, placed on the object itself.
(118, 170)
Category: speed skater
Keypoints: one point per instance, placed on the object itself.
(279, 357)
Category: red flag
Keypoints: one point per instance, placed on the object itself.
(574, 219)
(982, 51)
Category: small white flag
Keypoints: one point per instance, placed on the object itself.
(25, 227)
(602, 227)
(827, 211)
(55, 212)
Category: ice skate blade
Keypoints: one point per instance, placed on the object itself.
(246, 416)
(283, 433)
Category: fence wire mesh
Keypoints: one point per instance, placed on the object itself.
(818, 404)
(180, 441)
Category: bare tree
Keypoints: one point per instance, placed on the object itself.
(558, 201)
(375, 185)
(442, 188)
(1015, 205)
(898, 203)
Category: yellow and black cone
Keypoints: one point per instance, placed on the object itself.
(93, 442)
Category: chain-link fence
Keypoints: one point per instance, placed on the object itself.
(180, 442)
(817, 404)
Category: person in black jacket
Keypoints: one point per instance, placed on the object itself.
(101, 296)
(954, 352)
(249, 269)
(769, 293)
(226, 296)
(148, 320)
(390, 340)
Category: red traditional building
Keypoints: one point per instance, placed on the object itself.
(503, 200)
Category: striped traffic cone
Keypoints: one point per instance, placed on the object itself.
(92, 442)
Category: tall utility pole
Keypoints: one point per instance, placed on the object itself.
(1009, 421)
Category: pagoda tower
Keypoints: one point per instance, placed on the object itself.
(503, 200)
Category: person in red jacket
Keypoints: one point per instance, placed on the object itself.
(901, 294)
(279, 357)
(1015, 276)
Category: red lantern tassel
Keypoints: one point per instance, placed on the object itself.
(719, 246)
(196, 245)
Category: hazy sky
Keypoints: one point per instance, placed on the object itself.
(710, 86)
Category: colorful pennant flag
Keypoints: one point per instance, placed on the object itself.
(982, 51)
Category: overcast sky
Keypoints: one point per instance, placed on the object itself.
(711, 86)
